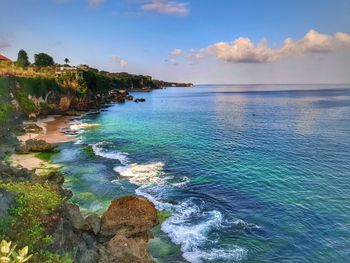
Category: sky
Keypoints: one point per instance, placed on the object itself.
(199, 41)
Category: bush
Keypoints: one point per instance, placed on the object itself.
(29, 215)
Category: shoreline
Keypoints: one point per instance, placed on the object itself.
(52, 132)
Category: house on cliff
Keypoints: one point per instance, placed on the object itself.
(3, 58)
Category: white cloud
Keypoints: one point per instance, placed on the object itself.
(123, 63)
(176, 52)
(243, 50)
(4, 44)
(95, 3)
(166, 7)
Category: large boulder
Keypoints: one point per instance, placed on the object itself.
(128, 216)
(34, 145)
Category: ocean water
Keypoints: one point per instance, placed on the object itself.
(254, 173)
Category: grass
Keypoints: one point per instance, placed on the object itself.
(28, 217)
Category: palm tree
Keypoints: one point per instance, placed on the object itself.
(66, 60)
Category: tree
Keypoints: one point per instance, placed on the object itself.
(66, 60)
(43, 60)
(22, 59)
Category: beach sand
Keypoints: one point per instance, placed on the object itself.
(52, 134)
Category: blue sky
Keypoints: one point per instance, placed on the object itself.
(202, 41)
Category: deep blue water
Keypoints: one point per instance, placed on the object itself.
(257, 173)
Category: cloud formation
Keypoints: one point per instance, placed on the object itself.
(166, 7)
(176, 52)
(95, 3)
(122, 62)
(4, 44)
(243, 50)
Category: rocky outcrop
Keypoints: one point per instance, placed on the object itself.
(120, 235)
(34, 145)
(31, 127)
(65, 103)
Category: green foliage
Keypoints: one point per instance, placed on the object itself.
(30, 214)
(66, 60)
(46, 155)
(22, 59)
(9, 255)
(49, 257)
(43, 60)
(38, 87)
(25, 103)
(5, 106)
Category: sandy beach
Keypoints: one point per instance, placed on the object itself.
(52, 132)
(52, 127)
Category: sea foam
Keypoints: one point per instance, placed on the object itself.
(99, 150)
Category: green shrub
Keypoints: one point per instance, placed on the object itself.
(30, 214)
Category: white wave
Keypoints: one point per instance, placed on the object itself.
(228, 255)
(141, 174)
(190, 226)
(100, 151)
(82, 126)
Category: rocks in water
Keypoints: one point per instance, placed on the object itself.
(140, 100)
(129, 97)
(128, 215)
(34, 145)
(6, 200)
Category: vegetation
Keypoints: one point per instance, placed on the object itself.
(66, 60)
(5, 106)
(46, 155)
(43, 60)
(9, 255)
(35, 205)
(22, 59)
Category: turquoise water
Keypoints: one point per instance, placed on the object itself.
(256, 173)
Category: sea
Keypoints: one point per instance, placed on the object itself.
(247, 173)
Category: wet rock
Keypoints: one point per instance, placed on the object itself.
(140, 100)
(34, 145)
(6, 200)
(129, 216)
(129, 97)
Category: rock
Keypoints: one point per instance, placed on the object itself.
(6, 200)
(56, 178)
(128, 215)
(32, 128)
(129, 97)
(34, 145)
(9, 173)
(128, 250)
(140, 100)
(65, 103)
(94, 222)
(72, 214)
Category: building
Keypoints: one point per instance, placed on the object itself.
(3, 58)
